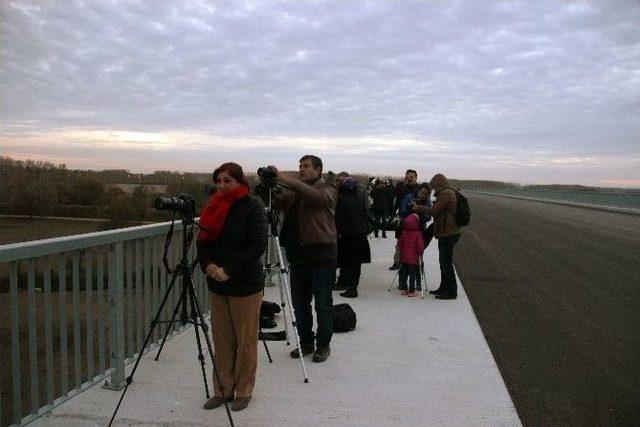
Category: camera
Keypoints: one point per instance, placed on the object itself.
(182, 203)
(267, 176)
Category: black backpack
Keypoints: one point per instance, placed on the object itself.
(463, 212)
(344, 318)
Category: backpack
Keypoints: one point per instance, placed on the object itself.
(463, 212)
(344, 318)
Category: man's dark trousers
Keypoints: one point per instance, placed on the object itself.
(448, 284)
(307, 282)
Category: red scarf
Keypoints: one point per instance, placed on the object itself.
(215, 213)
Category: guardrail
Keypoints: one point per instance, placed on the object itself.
(627, 211)
(115, 280)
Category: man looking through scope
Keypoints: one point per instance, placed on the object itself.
(310, 240)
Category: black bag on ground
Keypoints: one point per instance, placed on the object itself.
(344, 318)
(268, 312)
(463, 212)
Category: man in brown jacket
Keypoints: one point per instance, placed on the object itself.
(310, 241)
(447, 232)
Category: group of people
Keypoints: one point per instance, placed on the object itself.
(325, 228)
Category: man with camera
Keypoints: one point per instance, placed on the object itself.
(310, 240)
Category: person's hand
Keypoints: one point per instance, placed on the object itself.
(216, 273)
(221, 275)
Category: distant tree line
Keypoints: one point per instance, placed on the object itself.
(43, 189)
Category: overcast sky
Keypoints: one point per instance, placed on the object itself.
(527, 91)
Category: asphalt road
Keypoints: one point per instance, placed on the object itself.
(556, 290)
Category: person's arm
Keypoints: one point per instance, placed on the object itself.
(438, 207)
(257, 224)
(321, 197)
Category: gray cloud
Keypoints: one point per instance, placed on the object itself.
(514, 80)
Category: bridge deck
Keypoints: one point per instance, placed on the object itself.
(409, 362)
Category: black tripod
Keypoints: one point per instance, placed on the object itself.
(188, 299)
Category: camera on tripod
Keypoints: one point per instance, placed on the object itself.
(268, 176)
(183, 203)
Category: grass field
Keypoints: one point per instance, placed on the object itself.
(13, 230)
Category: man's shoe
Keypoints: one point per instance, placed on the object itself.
(436, 292)
(306, 349)
(446, 296)
(384, 235)
(240, 403)
(395, 266)
(215, 401)
(349, 294)
(339, 286)
(321, 354)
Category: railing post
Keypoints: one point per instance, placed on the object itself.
(116, 380)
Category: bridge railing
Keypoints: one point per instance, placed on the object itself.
(78, 309)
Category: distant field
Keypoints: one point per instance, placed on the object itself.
(629, 199)
(13, 230)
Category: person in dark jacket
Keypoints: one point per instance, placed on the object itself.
(310, 240)
(230, 245)
(352, 220)
(382, 196)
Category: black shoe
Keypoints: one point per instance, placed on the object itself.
(375, 235)
(436, 292)
(306, 349)
(395, 266)
(349, 293)
(339, 286)
(446, 296)
(384, 235)
(321, 354)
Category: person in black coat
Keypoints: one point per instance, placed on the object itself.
(352, 224)
(230, 246)
(382, 196)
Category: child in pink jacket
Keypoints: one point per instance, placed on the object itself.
(411, 245)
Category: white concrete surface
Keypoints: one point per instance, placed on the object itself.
(410, 362)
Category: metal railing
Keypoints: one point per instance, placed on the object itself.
(82, 305)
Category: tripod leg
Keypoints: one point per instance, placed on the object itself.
(195, 319)
(154, 323)
(173, 317)
(266, 348)
(287, 295)
(283, 305)
(393, 280)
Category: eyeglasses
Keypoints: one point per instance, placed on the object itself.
(226, 180)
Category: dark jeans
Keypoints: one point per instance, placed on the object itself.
(412, 272)
(307, 282)
(381, 220)
(448, 284)
(350, 274)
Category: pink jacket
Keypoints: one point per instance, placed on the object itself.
(411, 242)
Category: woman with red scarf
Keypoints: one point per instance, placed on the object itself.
(230, 245)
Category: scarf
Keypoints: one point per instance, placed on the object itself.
(215, 213)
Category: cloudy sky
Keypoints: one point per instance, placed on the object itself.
(528, 91)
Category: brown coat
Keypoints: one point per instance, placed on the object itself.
(316, 211)
(443, 212)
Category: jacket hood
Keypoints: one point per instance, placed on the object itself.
(439, 182)
(412, 222)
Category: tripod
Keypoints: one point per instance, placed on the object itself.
(422, 278)
(274, 260)
(188, 298)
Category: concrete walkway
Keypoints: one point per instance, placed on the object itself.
(410, 362)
